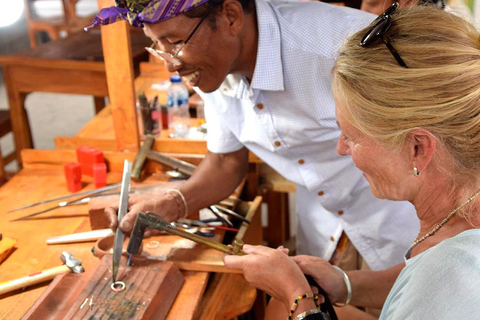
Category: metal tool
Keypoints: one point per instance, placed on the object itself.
(80, 200)
(204, 223)
(122, 210)
(71, 265)
(60, 205)
(146, 152)
(217, 213)
(232, 214)
(154, 221)
(86, 193)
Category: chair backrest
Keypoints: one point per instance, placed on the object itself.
(68, 21)
(5, 128)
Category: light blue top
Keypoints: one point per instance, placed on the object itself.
(440, 283)
(287, 114)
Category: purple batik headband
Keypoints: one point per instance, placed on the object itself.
(138, 12)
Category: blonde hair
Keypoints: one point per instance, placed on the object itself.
(439, 91)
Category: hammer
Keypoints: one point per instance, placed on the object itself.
(146, 152)
(71, 265)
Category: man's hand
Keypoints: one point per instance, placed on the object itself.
(164, 205)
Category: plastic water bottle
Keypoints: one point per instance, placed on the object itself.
(177, 105)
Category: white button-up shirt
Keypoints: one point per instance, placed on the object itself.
(286, 116)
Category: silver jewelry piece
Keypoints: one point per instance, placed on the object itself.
(118, 286)
(347, 284)
(307, 313)
(416, 173)
(438, 226)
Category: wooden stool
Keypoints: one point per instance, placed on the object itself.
(5, 128)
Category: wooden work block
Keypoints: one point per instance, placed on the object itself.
(150, 289)
(73, 171)
(74, 186)
(87, 157)
(99, 171)
(96, 208)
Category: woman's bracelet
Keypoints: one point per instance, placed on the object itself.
(176, 191)
(305, 315)
(295, 303)
(347, 284)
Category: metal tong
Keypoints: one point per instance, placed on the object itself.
(153, 221)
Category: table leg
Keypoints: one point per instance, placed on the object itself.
(18, 115)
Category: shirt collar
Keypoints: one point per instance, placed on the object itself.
(268, 73)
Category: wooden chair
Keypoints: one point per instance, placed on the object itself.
(5, 128)
(68, 22)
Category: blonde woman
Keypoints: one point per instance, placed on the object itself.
(407, 92)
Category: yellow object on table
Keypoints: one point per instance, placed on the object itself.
(6, 246)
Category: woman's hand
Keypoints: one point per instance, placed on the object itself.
(325, 275)
(272, 271)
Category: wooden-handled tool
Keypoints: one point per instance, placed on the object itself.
(146, 152)
(71, 265)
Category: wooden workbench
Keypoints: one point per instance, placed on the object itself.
(42, 178)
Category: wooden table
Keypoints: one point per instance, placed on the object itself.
(71, 65)
(42, 178)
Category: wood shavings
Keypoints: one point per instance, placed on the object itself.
(161, 257)
(84, 303)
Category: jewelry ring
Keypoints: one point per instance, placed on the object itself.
(118, 286)
(152, 244)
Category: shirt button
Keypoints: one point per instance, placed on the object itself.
(332, 238)
(260, 106)
(320, 193)
(340, 212)
(277, 143)
(301, 161)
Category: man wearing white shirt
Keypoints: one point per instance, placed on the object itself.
(263, 70)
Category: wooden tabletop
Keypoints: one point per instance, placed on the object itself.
(43, 179)
(83, 46)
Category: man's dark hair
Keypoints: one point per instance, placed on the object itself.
(197, 12)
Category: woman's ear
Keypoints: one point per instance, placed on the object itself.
(421, 145)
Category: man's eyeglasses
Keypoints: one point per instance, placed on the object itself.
(379, 27)
(172, 58)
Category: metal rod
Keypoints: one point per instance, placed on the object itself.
(86, 193)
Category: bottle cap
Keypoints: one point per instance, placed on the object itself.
(175, 78)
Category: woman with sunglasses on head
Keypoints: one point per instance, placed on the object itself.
(407, 92)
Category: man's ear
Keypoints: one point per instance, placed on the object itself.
(421, 145)
(233, 12)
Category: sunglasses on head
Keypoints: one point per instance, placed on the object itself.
(377, 32)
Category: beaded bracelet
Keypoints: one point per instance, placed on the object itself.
(295, 303)
(176, 191)
(347, 284)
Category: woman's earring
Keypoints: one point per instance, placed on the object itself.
(416, 173)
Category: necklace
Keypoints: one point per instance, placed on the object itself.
(438, 226)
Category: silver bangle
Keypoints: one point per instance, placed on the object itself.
(307, 313)
(347, 284)
(181, 196)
